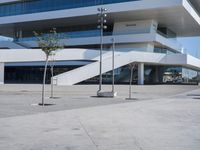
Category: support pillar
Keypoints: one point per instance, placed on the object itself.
(1, 73)
(157, 74)
(141, 74)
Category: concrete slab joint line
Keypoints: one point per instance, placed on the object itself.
(89, 136)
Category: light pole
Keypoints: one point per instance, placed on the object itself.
(113, 65)
(102, 21)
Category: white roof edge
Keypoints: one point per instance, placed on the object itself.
(90, 10)
(191, 10)
(183, 60)
(193, 62)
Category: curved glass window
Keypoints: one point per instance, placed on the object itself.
(65, 35)
(34, 6)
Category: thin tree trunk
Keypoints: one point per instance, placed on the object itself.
(52, 81)
(130, 85)
(44, 81)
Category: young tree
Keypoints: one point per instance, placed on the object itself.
(49, 43)
(132, 66)
(52, 74)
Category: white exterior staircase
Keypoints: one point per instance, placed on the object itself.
(91, 70)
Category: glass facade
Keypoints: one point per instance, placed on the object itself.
(189, 76)
(34, 6)
(32, 74)
(177, 75)
(172, 75)
(164, 31)
(64, 32)
(163, 50)
(152, 74)
(65, 35)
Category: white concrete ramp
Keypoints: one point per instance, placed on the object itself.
(91, 70)
(121, 59)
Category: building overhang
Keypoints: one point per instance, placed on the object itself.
(196, 4)
(120, 39)
(23, 55)
(178, 15)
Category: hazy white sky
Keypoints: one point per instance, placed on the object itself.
(192, 45)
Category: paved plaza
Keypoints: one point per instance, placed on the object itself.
(163, 117)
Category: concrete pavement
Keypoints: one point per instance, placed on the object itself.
(18, 99)
(162, 123)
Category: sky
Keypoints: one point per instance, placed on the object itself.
(192, 44)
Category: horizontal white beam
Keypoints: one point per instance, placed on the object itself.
(128, 38)
(85, 11)
(28, 55)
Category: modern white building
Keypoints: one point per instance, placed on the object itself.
(145, 33)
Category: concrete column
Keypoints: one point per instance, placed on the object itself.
(141, 74)
(156, 74)
(1, 73)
